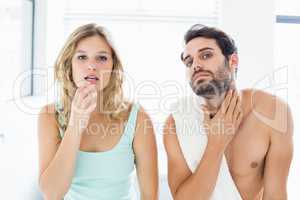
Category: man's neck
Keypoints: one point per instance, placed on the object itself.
(213, 104)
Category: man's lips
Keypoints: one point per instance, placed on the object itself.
(200, 74)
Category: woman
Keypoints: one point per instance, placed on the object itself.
(92, 138)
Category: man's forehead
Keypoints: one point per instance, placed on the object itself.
(199, 43)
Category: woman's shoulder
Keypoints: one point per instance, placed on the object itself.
(47, 113)
(48, 109)
(47, 124)
(135, 108)
(142, 115)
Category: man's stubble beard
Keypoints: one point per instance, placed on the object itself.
(220, 83)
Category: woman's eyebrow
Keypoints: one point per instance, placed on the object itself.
(102, 52)
(105, 52)
(80, 51)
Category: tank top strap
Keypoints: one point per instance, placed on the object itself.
(61, 120)
(131, 122)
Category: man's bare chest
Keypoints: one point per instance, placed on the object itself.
(247, 151)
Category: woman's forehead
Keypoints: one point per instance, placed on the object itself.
(95, 43)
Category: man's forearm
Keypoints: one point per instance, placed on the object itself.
(200, 185)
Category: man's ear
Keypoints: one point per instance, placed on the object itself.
(233, 61)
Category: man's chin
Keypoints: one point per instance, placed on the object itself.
(207, 92)
(206, 95)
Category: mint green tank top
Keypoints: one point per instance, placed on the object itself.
(106, 175)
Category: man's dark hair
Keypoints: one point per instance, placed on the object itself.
(224, 41)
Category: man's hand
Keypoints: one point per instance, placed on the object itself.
(221, 128)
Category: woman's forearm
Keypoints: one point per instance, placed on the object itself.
(56, 179)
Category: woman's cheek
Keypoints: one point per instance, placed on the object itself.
(77, 75)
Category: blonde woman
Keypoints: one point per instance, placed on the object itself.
(91, 140)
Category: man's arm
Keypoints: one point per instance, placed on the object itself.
(200, 184)
(182, 182)
(280, 153)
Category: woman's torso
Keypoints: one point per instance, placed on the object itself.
(105, 162)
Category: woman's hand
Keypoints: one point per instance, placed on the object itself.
(83, 104)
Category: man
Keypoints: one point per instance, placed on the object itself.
(251, 129)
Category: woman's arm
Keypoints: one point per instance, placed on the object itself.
(145, 149)
(56, 157)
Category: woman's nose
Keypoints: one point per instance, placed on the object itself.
(92, 66)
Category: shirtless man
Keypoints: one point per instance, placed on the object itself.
(258, 150)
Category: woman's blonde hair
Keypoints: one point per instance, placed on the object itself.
(113, 102)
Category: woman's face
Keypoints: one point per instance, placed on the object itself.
(92, 62)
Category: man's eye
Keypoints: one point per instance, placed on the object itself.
(189, 63)
(205, 56)
(81, 57)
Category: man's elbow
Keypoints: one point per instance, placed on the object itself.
(275, 195)
(180, 195)
(152, 196)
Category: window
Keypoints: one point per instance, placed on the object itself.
(287, 7)
(16, 48)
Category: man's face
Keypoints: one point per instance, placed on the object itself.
(208, 71)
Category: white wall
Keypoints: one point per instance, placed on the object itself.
(251, 24)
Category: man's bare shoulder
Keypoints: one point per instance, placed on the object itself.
(268, 108)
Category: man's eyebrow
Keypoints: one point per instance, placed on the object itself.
(183, 58)
(205, 48)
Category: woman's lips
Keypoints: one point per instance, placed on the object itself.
(91, 79)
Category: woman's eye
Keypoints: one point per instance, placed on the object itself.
(102, 58)
(81, 57)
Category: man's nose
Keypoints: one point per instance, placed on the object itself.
(196, 65)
